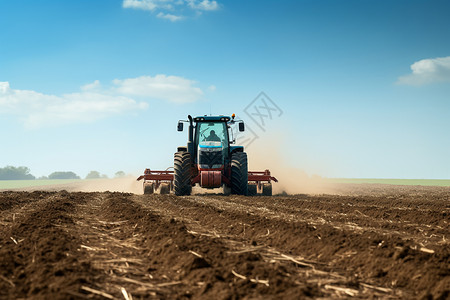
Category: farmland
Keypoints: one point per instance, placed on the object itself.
(24, 184)
(427, 182)
(366, 240)
(19, 184)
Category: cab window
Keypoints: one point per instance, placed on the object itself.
(212, 132)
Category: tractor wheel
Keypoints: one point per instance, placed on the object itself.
(267, 189)
(252, 189)
(148, 188)
(164, 189)
(182, 173)
(239, 173)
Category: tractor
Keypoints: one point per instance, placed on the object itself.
(211, 160)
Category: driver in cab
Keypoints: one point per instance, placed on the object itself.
(213, 137)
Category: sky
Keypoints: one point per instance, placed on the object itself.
(336, 88)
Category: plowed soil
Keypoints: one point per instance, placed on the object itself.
(365, 241)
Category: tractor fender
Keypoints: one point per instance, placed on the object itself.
(234, 149)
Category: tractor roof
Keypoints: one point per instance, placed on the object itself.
(212, 119)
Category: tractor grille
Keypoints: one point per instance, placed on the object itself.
(210, 159)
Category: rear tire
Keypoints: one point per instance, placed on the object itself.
(267, 189)
(239, 174)
(182, 174)
(252, 189)
(148, 188)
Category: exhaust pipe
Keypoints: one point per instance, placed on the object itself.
(190, 144)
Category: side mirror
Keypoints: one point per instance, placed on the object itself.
(241, 126)
(180, 126)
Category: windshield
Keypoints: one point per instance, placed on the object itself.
(212, 132)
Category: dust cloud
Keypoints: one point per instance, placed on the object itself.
(263, 155)
(126, 185)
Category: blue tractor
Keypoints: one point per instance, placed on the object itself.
(210, 160)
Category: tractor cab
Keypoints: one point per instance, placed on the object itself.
(209, 140)
(211, 143)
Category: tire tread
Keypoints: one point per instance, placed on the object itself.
(239, 173)
(182, 173)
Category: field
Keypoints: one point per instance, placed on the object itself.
(18, 184)
(363, 241)
(428, 182)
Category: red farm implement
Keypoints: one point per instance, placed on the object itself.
(258, 182)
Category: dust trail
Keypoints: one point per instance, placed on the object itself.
(126, 184)
(266, 153)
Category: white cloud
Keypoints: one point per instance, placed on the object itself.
(140, 4)
(169, 17)
(428, 71)
(203, 5)
(173, 10)
(94, 102)
(36, 109)
(91, 86)
(170, 88)
(82, 107)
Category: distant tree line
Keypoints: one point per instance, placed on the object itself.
(96, 175)
(63, 175)
(15, 173)
(23, 173)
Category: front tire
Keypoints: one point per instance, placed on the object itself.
(239, 174)
(182, 173)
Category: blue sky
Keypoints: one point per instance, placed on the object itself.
(363, 86)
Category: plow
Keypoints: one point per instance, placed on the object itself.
(209, 160)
